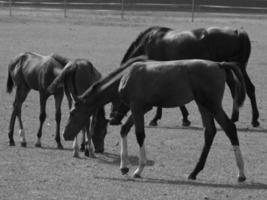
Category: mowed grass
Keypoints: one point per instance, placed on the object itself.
(103, 37)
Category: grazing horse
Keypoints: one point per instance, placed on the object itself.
(33, 71)
(142, 84)
(216, 44)
(77, 76)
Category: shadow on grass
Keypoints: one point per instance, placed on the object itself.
(198, 128)
(246, 186)
(114, 159)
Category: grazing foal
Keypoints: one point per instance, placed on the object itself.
(77, 76)
(33, 71)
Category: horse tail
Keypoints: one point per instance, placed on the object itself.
(138, 46)
(10, 83)
(240, 86)
(245, 47)
(59, 81)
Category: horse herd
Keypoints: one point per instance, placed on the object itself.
(162, 67)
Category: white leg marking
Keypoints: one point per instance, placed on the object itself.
(239, 161)
(124, 152)
(75, 148)
(22, 136)
(142, 161)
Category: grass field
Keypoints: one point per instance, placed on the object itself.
(102, 37)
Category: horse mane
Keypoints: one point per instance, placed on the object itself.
(139, 43)
(112, 77)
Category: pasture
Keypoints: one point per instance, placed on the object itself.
(172, 151)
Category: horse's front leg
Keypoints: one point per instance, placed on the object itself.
(125, 128)
(43, 98)
(58, 100)
(76, 148)
(89, 151)
(185, 114)
(138, 116)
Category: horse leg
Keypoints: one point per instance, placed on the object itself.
(209, 134)
(89, 152)
(125, 128)
(82, 148)
(58, 100)
(75, 148)
(21, 94)
(154, 121)
(251, 94)
(185, 114)
(231, 83)
(43, 98)
(230, 130)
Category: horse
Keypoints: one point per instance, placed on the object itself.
(29, 71)
(217, 44)
(142, 84)
(76, 77)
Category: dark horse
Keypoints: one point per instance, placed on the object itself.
(33, 71)
(142, 84)
(77, 76)
(216, 44)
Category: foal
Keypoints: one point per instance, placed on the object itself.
(77, 76)
(33, 71)
(176, 83)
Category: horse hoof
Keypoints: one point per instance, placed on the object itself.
(192, 177)
(255, 123)
(60, 146)
(89, 154)
(39, 145)
(137, 176)
(124, 170)
(23, 144)
(186, 123)
(241, 179)
(12, 143)
(76, 154)
(99, 150)
(114, 121)
(153, 123)
(82, 149)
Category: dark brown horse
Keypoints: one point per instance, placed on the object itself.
(33, 71)
(217, 44)
(77, 76)
(144, 84)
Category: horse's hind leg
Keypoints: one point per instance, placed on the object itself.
(230, 130)
(185, 114)
(58, 100)
(43, 99)
(209, 134)
(21, 94)
(154, 121)
(231, 83)
(251, 94)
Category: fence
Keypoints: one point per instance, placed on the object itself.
(252, 6)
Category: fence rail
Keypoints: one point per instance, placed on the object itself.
(251, 6)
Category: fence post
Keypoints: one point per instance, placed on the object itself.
(65, 8)
(10, 7)
(122, 9)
